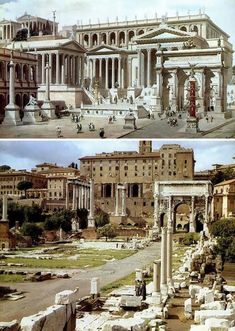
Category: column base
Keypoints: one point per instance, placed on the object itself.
(91, 222)
(12, 115)
(164, 290)
(192, 125)
(31, 115)
(49, 109)
(157, 298)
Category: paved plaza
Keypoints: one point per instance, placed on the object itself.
(146, 128)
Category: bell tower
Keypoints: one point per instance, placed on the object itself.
(145, 146)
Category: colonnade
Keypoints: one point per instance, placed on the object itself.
(65, 68)
(108, 70)
(80, 194)
(120, 208)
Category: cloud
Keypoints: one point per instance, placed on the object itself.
(2, 2)
(26, 154)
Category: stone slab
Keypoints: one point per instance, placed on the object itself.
(66, 297)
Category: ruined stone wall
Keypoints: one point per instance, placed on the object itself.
(59, 317)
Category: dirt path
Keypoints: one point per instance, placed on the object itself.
(40, 295)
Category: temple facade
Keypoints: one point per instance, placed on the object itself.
(151, 60)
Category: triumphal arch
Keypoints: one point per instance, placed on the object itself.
(194, 194)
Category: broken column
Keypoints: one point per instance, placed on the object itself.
(91, 219)
(169, 256)
(156, 282)
(164, 261)
(139, 274)
(12, 111)
(95, 287)
(191, 222)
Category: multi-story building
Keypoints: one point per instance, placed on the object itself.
(25, 78)
(138, 171)
(224, 199)
(10, 179)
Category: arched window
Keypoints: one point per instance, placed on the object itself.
(25, 72)
(18, 71)
(104, 38)
(131, 34)
(122, 38)
(140, 32)
(183, 28)
(94, 39)
(112, 38)
(86, 40)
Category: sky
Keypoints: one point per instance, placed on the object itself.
(25, 154)
(69, 12)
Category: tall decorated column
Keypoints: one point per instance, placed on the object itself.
(91, 219)
(12, 115)
(192, 121)
(123, 190)
(169, 256)
(47, 105)
(117, 201)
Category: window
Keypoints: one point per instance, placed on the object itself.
(144, 203)
(125, 167)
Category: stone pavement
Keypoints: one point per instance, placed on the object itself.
(40, 295)
(146, 129)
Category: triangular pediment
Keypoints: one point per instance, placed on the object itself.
(164, 33)
(73, 46)
(106, 49)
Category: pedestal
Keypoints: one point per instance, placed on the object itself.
(192, 125)
(91, 222)
(49, 109)
(130, 121)
(31, 114)
(12, 115)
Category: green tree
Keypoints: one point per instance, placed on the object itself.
(108, 231)
(21, 35)
(224, 231)
(33, 214)
(15, 214)
(82, 214)
(32, 230)
(221, 176)
(101, 218)
(5, 167)
(59, 219)
(24, 186)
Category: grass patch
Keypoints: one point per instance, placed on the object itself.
(11, 278)
(87, 257)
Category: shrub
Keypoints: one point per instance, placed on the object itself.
(190, 238)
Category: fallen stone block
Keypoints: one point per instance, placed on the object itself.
(53, 318)
(199, 328)
(66, 297)
(201, 315)
(125, 324)
(216, 305)
(130, 301)
(229, 288)
(9, 326)
(149, 314)
(217, 323)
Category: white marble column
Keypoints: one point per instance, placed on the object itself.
(119, 71)
(123, 190)
(94, 69)
(148, 67)
(191, 223)
(139, 67)
(117, 202)
(100, 69)
(62, 69)
(205, 225)
(156, 212)
(4, 208)
(130, 72)
(164, 261)
(67, 196)
(48, 70)
(158, 82)
(170, 211)
(91, 220)
(113, 72)
(57, 68)
(43, 69)
(74, 197)
(107, 73)
(50, 65)
(82, 70)
(156, 276)
(169, 255)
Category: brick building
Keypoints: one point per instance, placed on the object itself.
(138, 171)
